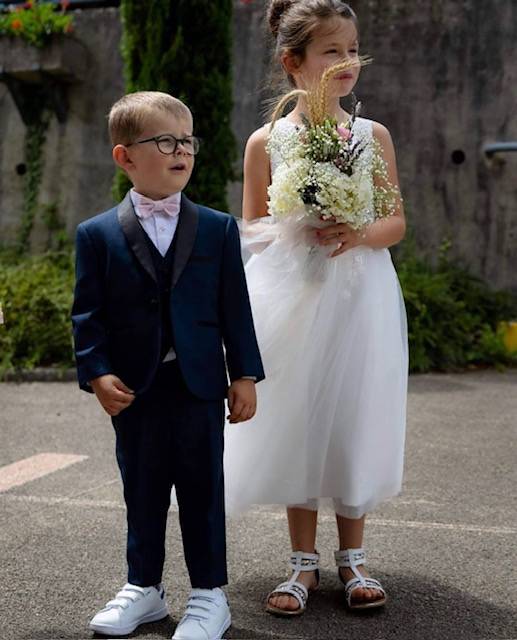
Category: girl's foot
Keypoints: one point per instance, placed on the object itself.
(290, 603)
(290, 598)
(361, 595)
(361, 591)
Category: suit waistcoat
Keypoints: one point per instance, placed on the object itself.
(163, 266)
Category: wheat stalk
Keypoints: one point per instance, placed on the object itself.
(317, 97)
(277, 113)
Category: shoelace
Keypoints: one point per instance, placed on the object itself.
(193, 606)
(124, 598)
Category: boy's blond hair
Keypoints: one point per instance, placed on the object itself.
(128, 116)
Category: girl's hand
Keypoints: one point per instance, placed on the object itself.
(341, 234)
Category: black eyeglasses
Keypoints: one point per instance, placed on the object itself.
(168, 144)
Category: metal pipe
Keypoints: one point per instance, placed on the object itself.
(499, 147)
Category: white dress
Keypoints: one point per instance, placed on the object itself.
(331, 412)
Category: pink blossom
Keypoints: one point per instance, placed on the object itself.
(344, 132)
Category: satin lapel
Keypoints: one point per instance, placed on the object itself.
(186, 235)
(135, 235)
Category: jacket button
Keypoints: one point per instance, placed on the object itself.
(153, 302)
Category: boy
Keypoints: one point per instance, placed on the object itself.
(160, 287)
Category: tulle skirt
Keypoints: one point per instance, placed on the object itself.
(330, 422)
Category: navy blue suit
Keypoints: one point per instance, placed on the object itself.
(172, 434)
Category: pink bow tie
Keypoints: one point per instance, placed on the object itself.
(147, 207)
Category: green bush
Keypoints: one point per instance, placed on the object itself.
(183, 47)
(453, 316)
(36, 296)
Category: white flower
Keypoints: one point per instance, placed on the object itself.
(286, 143)
(347, 198)
(284, 190)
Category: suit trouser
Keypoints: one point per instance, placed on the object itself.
(167, 438)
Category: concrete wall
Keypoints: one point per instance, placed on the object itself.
(78, 170)
(444, 80)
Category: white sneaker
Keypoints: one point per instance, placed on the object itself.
(207, 616)
(131, 607)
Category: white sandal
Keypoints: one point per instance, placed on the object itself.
(351, 559)
(299, 561)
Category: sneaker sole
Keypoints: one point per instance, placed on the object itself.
(226, 625)
(109, 630)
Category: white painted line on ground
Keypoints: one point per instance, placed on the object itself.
(22, 471)
(411, 524)
(272, 515)
(69, 502)
(450, 526)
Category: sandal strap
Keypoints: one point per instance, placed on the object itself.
(356, 583)
(302, 561)
(350, 558)
(292, 588)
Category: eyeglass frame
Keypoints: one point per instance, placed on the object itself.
(156, 140)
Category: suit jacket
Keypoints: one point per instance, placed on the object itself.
(116, 313)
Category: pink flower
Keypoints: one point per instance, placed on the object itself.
(344, 132)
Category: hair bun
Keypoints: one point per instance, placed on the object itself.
(276, 9)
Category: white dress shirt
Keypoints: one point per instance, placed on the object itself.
(160, 227)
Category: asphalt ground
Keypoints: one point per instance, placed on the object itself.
(445, 549)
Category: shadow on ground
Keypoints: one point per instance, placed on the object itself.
(417, 609)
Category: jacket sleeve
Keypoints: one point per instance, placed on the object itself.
(88, 313)
(242, 352)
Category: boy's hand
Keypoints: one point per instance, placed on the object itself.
(112, 393)
(242, 400)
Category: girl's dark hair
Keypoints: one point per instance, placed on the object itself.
(293, 22)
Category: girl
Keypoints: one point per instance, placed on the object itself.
(331, 418)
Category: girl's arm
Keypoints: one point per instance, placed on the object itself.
(384, 232)
(257, 176)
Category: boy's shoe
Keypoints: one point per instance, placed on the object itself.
(131, 607)
(207, 616)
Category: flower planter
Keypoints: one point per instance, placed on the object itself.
(63, 59)
(37, 77)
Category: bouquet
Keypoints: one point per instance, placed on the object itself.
(326, 174)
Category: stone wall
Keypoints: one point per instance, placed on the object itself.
(444, 81)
